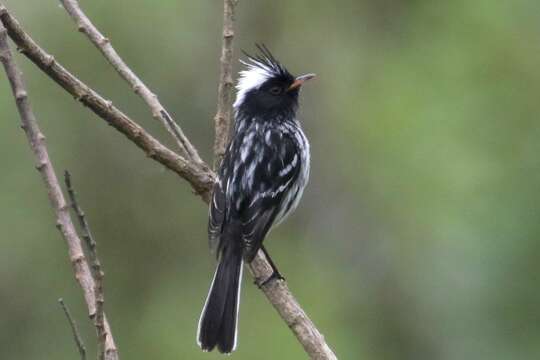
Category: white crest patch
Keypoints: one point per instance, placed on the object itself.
(253, 77)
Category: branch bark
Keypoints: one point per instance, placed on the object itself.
(85, 26)
(36, 140)
(200, 177)
(222, 120)
(290, 311)
(74, 330)
(95, 267)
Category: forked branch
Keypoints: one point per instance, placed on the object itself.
(64, 223)
(85, 26)
(199, 175)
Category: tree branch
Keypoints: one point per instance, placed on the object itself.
(291, 312)
(36, 139)
(200, 177)
(103, 44)
(222, 120)
(95, 267)
(74, 330)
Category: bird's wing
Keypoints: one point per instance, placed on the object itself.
(254, 179)
(264, 181)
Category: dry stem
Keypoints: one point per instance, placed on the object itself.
(198, 175)
(95, 266)
(222, 120)
(85, 26)
(74, 330)
(36, 140)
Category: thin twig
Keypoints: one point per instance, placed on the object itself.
(64, 223)
(201, 179)
(74, 330)
(199, 176)
(85, 26)
(95, 266)
(222, 120)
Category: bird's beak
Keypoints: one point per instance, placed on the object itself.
(299, 81)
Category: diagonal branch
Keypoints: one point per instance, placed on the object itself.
(198, 175)
(85, 26)
(222, 120)
(74, 330)
(36, 139)
(280, 296)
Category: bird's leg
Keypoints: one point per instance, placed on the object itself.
(275, 272)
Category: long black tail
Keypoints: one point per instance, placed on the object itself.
(218, 322)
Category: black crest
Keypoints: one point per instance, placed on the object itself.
(266, 61)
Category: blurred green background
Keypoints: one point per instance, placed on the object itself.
(418, 236)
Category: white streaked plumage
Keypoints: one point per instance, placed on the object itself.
(261, 180)
(295, 193)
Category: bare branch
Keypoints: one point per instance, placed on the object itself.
(85, 26)
(36, 139)
(291, 312)
(222, 120)
(95, 266)
(75, 331)
(199, 176)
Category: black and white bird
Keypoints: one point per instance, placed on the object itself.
(261, 179)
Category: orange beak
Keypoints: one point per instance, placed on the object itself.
(299, 81)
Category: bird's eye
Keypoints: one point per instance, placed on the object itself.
(276, 90)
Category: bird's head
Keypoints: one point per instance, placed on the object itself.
(267, 87)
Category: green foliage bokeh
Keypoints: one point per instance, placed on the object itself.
(417, 237)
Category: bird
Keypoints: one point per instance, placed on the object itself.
(260, 181)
